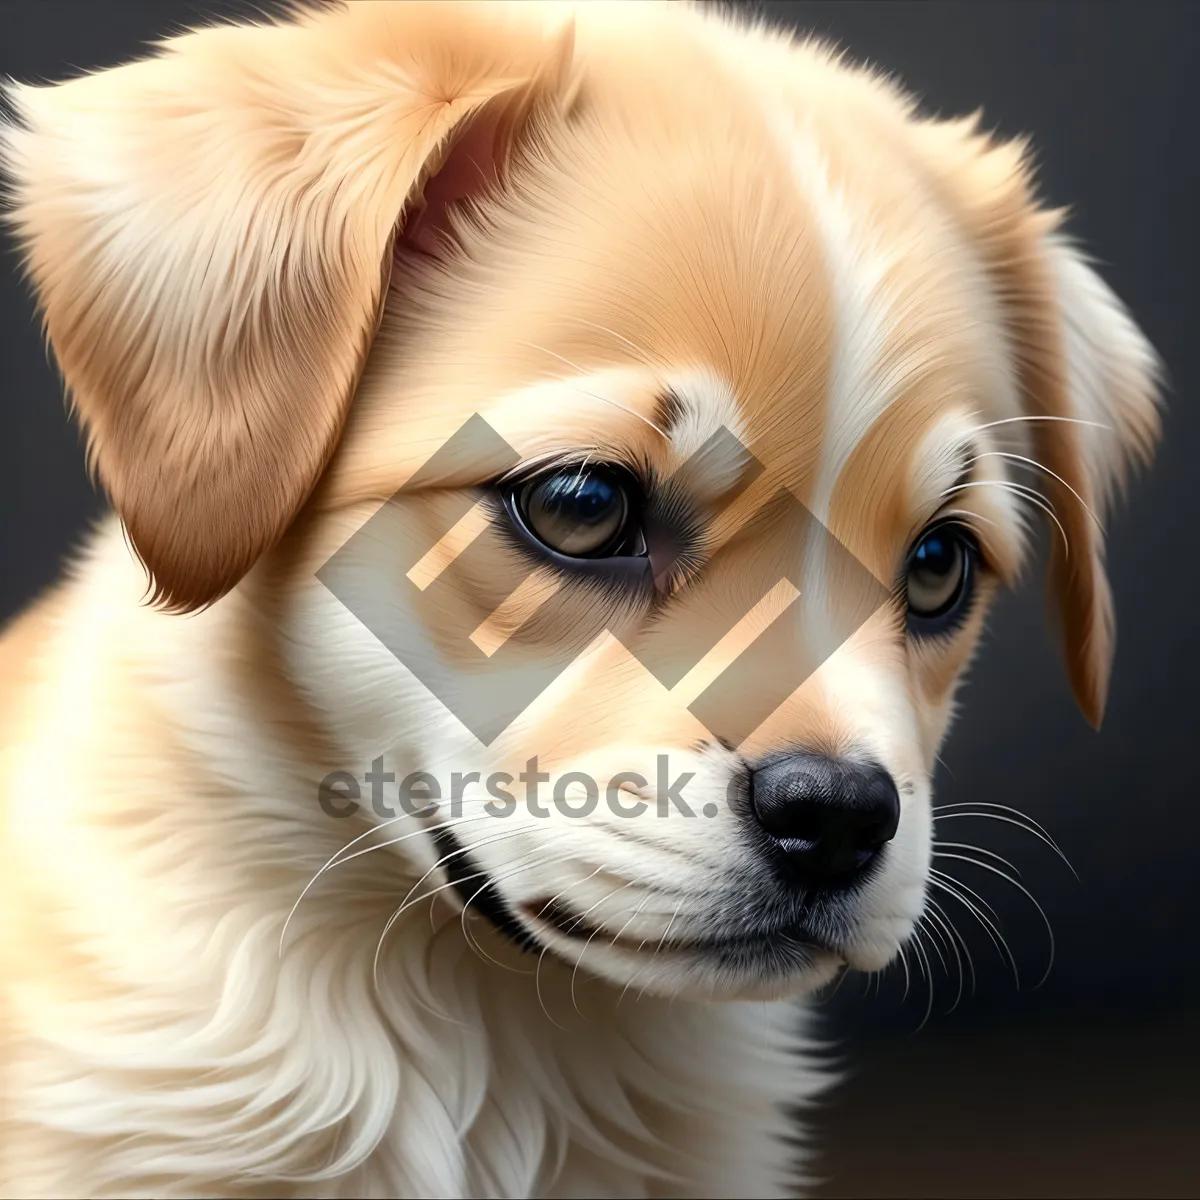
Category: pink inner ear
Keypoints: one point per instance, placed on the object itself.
(470, 166)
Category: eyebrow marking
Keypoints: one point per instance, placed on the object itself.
(670, 411)
(699, 403)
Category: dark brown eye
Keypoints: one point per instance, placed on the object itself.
(581, 512)
(939, 578)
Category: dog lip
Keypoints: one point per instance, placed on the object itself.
(464, 876)
(570, 924)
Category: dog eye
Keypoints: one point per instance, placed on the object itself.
(939, 578)
(580, 512)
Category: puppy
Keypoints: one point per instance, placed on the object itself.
(619, 402)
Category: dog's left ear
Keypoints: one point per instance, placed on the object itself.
(1089, 378)
(210, 235)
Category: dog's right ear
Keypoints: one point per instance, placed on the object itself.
(209, 232)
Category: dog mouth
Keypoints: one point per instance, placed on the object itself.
(477, 890)
(796, 936)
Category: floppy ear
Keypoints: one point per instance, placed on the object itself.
(1089, 378)
(209, 232)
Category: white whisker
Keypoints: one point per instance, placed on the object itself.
(409, 900)
(595, 396)
(582, 917)
(927, 972)
(537, 972)
(957, 934)
(336, 860)
(657, 949)
(975, 850)
(945, 811)
(491, 882)
(620, 337)
(938, 919)
(907, 974)
(957, 890)
(936, 940)
(1032, 900)
(1031, 462)
(1041, 417)
(974, 516)
(1022, 493)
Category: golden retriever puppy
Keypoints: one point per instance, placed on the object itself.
(562, 460)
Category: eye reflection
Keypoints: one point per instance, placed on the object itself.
(582, 512)
(939, 578)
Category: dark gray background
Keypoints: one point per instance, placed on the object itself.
(1085, 1085)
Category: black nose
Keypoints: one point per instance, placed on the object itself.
(830, 817)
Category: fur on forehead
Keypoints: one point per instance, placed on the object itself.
(552, 190)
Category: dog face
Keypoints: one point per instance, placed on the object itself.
(655, 399)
